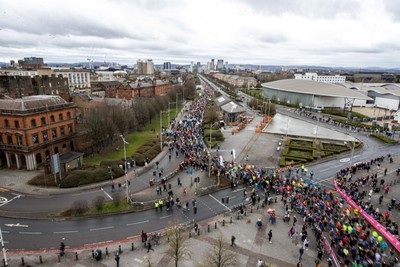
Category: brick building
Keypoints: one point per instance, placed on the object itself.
(34, 128)
(139, 89)
(20, 86)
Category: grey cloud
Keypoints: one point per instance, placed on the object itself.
(272, 38)
(312, 9)
(393, 8)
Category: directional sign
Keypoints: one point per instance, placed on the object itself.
(15, 225)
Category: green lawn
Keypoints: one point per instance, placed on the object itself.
(135, 140)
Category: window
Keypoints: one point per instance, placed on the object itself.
(45, 136)
(68, 115)
(43, 120)
(9, 139)
(60, 117)
(1, 138)
(33, 123)
(69, 129)
(35, 139)
(19, 139)
(62, 130)
(16, 124)
(54, 133)
(7, 123)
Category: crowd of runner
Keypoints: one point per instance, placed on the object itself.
(352, 237)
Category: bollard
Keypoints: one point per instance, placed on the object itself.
(227, 200)
(133, 247)
(106, 251)
(251, 210)
(76, 256)
(223, 200)
(194, 209)
(169, 186)
(208, 228)
(93, 253)
(119, 249)
(40, 260)
(4, 263)
(198, 231)
(58, 258)
(215, 225)
(223, 222)
(22, 261)
(231, 219)
(190, 234)
(245, 213)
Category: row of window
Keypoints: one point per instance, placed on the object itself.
(42, 120)
(35, 136)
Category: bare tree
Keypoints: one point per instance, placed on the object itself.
(177, 248)
(220, 255)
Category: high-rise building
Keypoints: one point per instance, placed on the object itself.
(167, 66)
(212, 65)
(220, 64)
(145, 67)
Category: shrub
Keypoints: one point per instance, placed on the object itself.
(98, 202)
(384, 138)
(80, 207)
(82, 177)
(117, 197)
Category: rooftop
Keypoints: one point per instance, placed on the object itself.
(314, 88)
(32, 102)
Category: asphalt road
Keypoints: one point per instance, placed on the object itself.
(22, 234)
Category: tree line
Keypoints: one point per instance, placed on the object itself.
(104, 123)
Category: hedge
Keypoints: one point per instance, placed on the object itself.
(384, 138)
(83, 177)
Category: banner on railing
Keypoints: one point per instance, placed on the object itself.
(371, 220)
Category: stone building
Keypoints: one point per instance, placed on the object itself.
(33, 128)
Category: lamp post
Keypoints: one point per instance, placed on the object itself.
(161, 125)
(3, 248)
(126, 170)
(169, 110)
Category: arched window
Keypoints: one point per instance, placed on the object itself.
(68, 115)
(7, 123)
(52, 118)
(43, 120)
(16, 123)
(60, 117)
(33, 123)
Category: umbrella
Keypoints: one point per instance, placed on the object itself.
(270, 210)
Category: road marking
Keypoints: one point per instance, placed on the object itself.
(5, 232)
(65, 232)
(138, 260)
(129, 224)
(16, 225)
(4, 189)
(344, 160)
(165, 217)
(237, 190)
(30, 233)
(16, 196)
(220, 202)
(103, 228)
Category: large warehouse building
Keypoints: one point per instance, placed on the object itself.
(315, 94)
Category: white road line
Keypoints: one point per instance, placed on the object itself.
(220, 202)
(103, 228)
(237, 190)
(65, 232)
(30, 233)
(5, 232)
(16, 196)
(165, 217)
(129, 224)
(138, 260)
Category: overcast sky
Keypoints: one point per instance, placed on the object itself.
(357, 33)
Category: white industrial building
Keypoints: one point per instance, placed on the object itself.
(324, 79)
(77, 79)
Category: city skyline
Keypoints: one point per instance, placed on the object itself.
(337, 34)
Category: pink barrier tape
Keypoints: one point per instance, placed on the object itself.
(371, 220)
(330, 250)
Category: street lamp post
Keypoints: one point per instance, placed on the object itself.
(126, 170)
(3, 248)
(169, 110)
